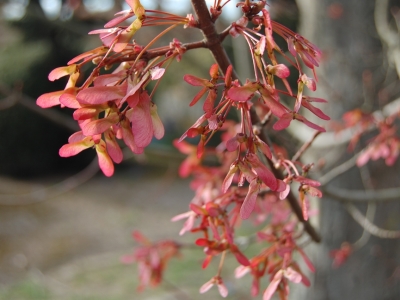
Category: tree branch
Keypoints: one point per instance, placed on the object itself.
(387, 35)
(212, 38)
(364, 238)
(334, 139)
(369, 226)
(363, 196)
(52, 191)
(340, 169)
(13, 97)
(305, 146)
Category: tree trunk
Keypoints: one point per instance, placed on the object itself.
(345, 32)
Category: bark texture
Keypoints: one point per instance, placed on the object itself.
(351, 47)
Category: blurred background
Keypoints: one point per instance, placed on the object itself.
(64, 226)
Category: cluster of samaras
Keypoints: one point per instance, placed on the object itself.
(116, 106)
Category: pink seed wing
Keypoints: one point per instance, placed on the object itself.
(158, 126)
(74, 148)
(250, 200)
(105, 162)
(49, 99)
(142, 125)
(101, 94)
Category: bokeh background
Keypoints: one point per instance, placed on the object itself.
(64, 226)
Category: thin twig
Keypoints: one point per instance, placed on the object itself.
(334, 139)
(340, 169)
(369, 215)
(387, 35)
(370, 227)
(30, 103)
(362, 196)
(371, 208)
(305, 146)
(52, 191)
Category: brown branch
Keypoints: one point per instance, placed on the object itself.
(160, 52)
(294, 204)
(213, 42)
(305, 146)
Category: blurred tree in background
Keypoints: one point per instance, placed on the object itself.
(359, 40)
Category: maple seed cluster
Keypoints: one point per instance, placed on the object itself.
(114, 106)
(385, 144)
(253, 176)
